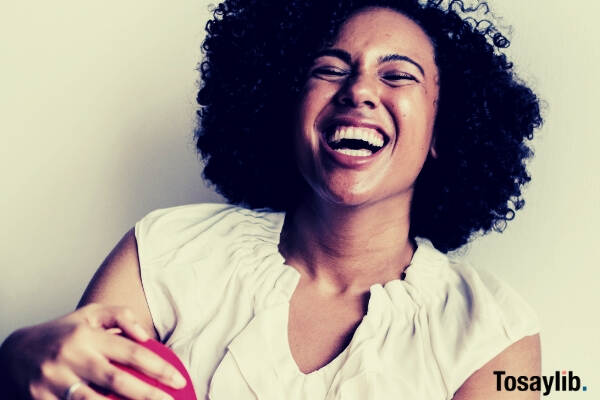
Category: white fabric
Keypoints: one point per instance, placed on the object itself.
(218, 291)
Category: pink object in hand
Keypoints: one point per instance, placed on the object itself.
(185, 393)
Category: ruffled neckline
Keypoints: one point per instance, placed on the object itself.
(425, 277)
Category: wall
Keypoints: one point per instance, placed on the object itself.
(98, 101)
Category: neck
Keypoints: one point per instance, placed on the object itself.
(346, 249)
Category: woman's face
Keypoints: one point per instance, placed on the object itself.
(366, 114)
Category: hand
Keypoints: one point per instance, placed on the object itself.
(43, 361)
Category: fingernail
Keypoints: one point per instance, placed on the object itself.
(178, 380)
(140, 333)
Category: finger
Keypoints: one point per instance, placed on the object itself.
(114, 331)
(84, 392)
(58, 379)
(42, 393)
(125, 319)
(106, 375)
(131, 354)
(102, 316)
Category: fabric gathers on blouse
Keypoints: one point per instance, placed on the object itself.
(218, 290)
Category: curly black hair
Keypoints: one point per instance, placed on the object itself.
(257, 54)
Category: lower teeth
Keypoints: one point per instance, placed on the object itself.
(352, 152)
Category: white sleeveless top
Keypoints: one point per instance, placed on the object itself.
(219, 291)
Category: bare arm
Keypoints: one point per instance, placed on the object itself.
(42, 361)
(118, 283)
(521, 358)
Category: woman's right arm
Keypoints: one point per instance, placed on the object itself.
(43, 361)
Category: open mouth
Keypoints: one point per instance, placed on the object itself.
(355, 141)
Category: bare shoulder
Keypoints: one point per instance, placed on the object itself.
(118, 282)
(522, 358)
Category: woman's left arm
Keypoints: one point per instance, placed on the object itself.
(522, 358)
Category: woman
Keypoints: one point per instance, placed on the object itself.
(365, 147)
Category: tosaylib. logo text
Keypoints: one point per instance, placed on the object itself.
(559, 382)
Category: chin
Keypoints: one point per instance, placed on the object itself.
(348, 201)
(345, 197)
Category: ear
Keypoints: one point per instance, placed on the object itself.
(432, 151)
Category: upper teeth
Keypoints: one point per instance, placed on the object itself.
(369, 135)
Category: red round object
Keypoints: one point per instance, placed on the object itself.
(185, 393)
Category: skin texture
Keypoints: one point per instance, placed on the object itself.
(395, 95)
(42, 361)
(350, 232)
(350, 207)
(258, 54)
(521, 358)
(118, 282)
(346, 236)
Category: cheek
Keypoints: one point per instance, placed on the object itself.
(316, 98)
(415, 114)
(306, 140)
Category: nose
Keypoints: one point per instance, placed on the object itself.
(358, 90)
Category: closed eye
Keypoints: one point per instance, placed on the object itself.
(328, 71)
(399, 77)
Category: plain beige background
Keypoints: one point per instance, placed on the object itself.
(97, 103)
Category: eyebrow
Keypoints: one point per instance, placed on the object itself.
(345, 57)
(398, 57)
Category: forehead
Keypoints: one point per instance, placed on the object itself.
(378, 29)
